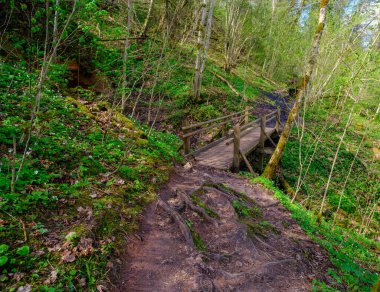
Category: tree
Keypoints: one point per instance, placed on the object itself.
(272, 166)
(234, 41)
(125, 55)
(204, 33)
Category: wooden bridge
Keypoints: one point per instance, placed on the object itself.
(234, 145)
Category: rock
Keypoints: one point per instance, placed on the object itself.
(188, 166)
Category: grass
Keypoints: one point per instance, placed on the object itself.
(355, 257)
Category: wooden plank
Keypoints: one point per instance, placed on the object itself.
(251, 124)
(278, 120)
(270, 139)
(246, 115)
(270, 119)
(214, 120)
(220, 155)
(244, 132)
(204, 129)
(247, 163)
(186, 142)
(236, 152)
(262, 141)
(267, 150)
(271, 113)
(208, 146)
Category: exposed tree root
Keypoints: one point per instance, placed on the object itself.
(286, 186)
(218, 257)
(229, 192)
(188, 203)
(271, 205)
(179, 220)
(253, 272)
(205, 283)
(265, 244)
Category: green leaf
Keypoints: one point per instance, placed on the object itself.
(23, 251)
(71, 236)
(3, 260)
(3, 248)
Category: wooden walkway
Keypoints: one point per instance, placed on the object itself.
(228, 151)
(221, 155)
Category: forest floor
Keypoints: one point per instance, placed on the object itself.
(245, 241)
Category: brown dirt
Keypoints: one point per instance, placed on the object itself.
(273, 257)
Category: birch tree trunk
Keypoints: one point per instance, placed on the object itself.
(146, 21)
(271, 168)
(203, 43)
(125, 56)
(234, 41)
(55, 25)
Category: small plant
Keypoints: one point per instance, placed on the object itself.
(241, 208)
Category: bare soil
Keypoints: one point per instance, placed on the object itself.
(264, 251)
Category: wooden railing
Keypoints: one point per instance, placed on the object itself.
(239, 132)
(240, 121)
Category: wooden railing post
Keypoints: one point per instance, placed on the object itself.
(236, 154)
(278, 116)
(262, 141)
(246, 115)
(186, 140)
(224, 130)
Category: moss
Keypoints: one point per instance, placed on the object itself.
(196, 200)
(324, 3)
(319, 28)
(102, 106)
(261, 228)
(82, 108)
(119, 117)
(198, 241)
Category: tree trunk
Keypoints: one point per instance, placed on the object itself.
(126, 47)
(271, 168)
(198, 75)
(204, 33)
(146, 21)
(55, 26)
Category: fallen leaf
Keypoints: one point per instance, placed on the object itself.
(52, 277)
(26, 288)
(68, 256)
(82, 282)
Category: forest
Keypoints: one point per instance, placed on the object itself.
(189, 145)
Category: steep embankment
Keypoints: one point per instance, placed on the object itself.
(73, 187)
(241, 238)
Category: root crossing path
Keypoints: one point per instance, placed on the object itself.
(211, 230)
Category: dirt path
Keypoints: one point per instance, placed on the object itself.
(251, 244)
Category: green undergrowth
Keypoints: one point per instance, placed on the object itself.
(82, 179)
(217, 98)
(316, 150)
(355, 257)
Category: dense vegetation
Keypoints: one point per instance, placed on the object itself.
(93, 94)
